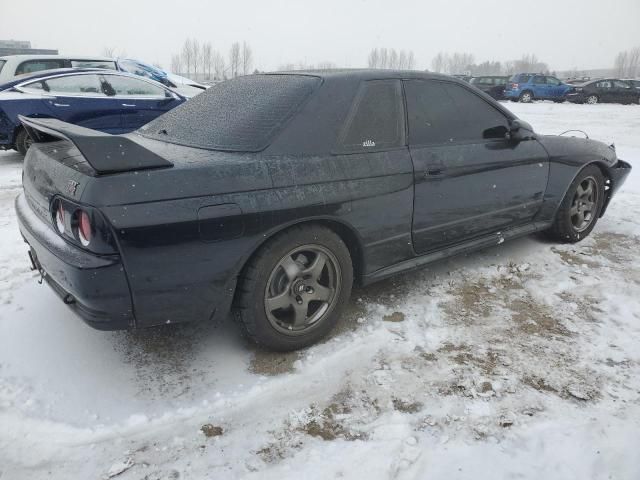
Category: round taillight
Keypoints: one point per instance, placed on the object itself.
(60, 218)
(84, 228)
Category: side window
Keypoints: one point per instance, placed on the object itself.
(553, 81)
(77, 85)
(603, 84)
(376, 119)
(441, 113)
(620, 84)
(31, 66)
(34, 87)
(132, 87)
(539, 80)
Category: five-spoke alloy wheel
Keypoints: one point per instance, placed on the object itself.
(302, 289)
(580, 208)
(292, 291)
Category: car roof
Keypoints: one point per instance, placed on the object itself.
(46, 57)
(369, 74)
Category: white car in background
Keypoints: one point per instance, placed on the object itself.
(13, 66)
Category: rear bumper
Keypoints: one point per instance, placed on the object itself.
(511, 93)
(618, 174)
(95, 287)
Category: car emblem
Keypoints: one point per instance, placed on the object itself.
(72, 186)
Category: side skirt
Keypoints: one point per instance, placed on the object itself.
(469, 246)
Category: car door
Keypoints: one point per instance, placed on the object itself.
(140, 100)
(81, 100)
(467, 184)
(540, 89)
(624, 93)
(555, 88)
(605, 91)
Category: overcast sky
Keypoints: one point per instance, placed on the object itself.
(564, 34)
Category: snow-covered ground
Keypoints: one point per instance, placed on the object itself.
(521, 361)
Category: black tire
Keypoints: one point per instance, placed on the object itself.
(23, 141)
(592, 100)
(564, 228)
(526, 97)
(257, 280)
(559, 100)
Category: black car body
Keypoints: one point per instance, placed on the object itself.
(609, 90)
(402, 168)
(492, 85)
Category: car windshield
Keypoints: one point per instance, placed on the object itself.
(239, 115)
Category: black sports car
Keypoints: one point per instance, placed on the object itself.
(604, 91)
(273, 193)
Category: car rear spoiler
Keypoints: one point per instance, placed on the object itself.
(104, 152)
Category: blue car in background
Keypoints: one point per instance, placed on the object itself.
(105, 100)
(526, 87)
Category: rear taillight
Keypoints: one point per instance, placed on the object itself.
(514, 86)
(84, 227)
(59, 213)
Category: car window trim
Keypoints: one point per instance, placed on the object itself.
(482, 141)
(168, 93)
(340, 149)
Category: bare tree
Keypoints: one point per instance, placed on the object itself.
(207, 59)
(197, 57)
(627, 63)
(187, 55)
(438, 63)
(113, 52)
(176, 63)
(247, 58)
(373, 59)
(218, 66)
(410, 60)
(234, 59)
(326, 65)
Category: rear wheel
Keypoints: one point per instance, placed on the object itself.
(526, 97)
(23, 141)
(592, 99)
(580, 208)
(292, 292)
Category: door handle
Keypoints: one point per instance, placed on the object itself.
(60, 104)
(433, 172)
(128, 105)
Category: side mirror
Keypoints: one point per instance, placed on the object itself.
(519, 130)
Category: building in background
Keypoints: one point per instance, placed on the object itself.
(20, 47)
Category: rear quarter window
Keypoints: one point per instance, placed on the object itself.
(241, 115)
(376, 119)
(31, 66)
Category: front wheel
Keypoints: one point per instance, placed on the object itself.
(592, 99)
(292, 292)
(580, 208)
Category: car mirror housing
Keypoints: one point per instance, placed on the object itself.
(519, 130)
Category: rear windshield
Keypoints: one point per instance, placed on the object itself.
(241, 115)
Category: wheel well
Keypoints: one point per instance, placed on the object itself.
(346, 234)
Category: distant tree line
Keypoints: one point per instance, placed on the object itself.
(390, 58)
(627, 63)
(300, 65)
(201, 61)
(458, 63)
